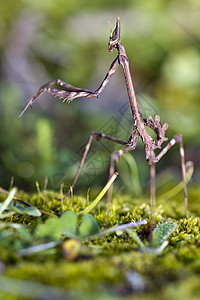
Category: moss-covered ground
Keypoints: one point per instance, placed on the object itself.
(110, 267)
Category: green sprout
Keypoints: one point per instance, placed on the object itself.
(159, 237)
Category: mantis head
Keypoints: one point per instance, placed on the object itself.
(115, 37)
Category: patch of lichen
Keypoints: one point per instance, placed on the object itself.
(104, 263)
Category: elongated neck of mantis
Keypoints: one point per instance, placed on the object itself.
(131, 92)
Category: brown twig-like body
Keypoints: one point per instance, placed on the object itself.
(68, 93)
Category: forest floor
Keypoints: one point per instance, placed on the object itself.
(43, 258)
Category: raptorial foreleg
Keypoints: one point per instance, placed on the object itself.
(41, 91)
(69, 92)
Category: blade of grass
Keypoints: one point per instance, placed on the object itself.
(117, 228)
(38, 248)
(124, 227)
(134, 177)
(100, 196)
(7, 201)
(179, 187)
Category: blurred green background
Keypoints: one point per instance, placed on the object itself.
(44, 40)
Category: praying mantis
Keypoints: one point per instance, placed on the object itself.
(68, 93)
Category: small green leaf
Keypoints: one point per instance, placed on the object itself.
(24, 234)
(51, 229)
(69, 223)
(162, 232)
(30, 210)
(88, 226)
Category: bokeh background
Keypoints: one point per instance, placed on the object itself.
(44, 40)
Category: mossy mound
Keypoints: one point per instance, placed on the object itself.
(109, 267)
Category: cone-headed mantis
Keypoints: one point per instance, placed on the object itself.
(68, 93)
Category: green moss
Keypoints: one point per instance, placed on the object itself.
(103, 264)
